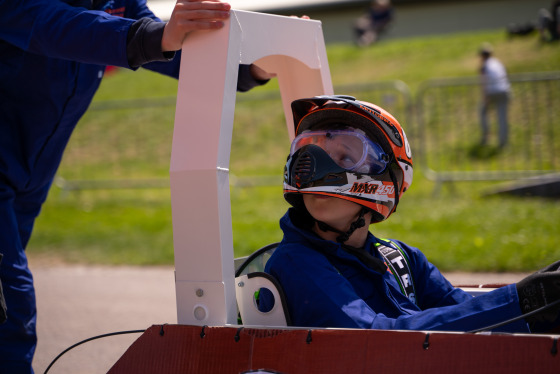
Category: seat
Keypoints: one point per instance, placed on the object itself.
(256, 261)
(250, 280)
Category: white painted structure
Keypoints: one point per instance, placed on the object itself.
(292, 48)
(164, 8)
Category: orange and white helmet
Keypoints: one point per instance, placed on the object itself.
(348, 149)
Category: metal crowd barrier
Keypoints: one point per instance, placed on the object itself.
(450, 132)
(127, 143)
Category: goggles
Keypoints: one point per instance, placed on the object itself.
(349, 149)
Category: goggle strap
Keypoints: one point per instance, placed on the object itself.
(395, 183)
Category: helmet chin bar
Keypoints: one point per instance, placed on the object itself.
(312, 166)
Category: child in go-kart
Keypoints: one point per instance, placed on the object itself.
(349, 165)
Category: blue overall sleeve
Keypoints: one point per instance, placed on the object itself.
(319, 296)
(58, 30)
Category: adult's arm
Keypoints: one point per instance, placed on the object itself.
(56, 29)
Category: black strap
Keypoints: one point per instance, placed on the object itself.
(366, 258)
(396, 260)
(344, 236)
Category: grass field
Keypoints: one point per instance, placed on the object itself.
(457, 229)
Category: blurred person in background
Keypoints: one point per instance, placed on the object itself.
(496, 92)
(549, 28)
(370, 26)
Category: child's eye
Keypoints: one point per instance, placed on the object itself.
(346, 161)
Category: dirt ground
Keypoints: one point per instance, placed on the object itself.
(78, 302)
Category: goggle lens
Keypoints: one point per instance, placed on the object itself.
(348, 149)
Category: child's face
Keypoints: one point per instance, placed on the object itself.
(335, 212)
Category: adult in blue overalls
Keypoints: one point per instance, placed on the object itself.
(53, 56)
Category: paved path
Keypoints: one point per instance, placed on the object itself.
(79, 302)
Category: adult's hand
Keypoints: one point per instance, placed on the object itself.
(191, 15)
(260, 74)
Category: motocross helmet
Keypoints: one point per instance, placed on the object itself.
(348, 149)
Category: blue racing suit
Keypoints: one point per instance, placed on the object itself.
(326, 286)
(53, 56)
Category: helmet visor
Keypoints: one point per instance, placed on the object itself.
(349, 149)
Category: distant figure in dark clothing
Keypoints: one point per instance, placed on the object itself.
(369, 26)
(548, 22)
